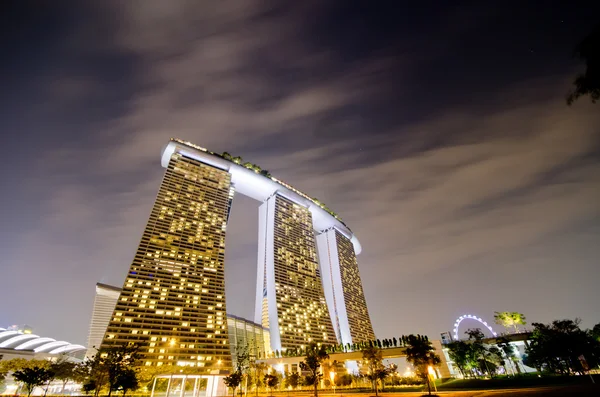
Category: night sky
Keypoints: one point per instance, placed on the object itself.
(439, 132)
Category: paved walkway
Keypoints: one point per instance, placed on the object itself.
(590, 390)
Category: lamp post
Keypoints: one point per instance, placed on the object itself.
(432, 375)
(332, 376)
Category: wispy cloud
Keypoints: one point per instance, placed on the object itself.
(428, 196)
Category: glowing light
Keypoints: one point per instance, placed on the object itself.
(470, 317)
(432, 372)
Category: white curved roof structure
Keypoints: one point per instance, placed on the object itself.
(5, 335)
(17, 340)
(253, 184)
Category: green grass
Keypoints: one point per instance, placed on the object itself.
(512, 382)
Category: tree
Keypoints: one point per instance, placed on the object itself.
(315, 355)
(595, 332)
(556, 347)
(107, 367)
(259, 370)
(126, 380)
(494, 358)
(486, 358)
(292, 380)
(242, 363)
(373, 358)
(89, 386)
(510, 319)
(32, 377)
(460, 353)
(421, 354)
(271, 381)
(588, 83)
(3, 373)
(509, 352)
(64, 371)
(233, 381)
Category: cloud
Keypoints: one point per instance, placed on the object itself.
(460, 184)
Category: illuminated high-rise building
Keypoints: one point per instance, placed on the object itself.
(292, 302)
(104, 306)
(343, 287)
(173, 300)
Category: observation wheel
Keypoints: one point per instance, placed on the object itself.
(470, 317)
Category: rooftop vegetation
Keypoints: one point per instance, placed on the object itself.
(253, 167)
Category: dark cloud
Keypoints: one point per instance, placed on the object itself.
(434, 132)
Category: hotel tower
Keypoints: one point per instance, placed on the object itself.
(172, 303)
(173, 299)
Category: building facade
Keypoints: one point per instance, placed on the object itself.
(247, 337)
(173, 300)
(343, 287)
(292, 302)
(104, 305)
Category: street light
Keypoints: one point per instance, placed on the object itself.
(431, 373)
(332, 376)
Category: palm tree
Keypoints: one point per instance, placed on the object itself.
(373, 358)
(588, 83)
(421, 354)
(510, 319)
(315, 356)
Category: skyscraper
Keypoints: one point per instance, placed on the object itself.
(292, 302)
(343, 287)
(104, 306)
(173, 300)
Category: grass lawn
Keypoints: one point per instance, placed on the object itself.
(513, 382)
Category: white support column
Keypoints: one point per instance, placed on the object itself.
(168, 386)
(327, 250)
(183, 381)
(195, 392)
(153, 386)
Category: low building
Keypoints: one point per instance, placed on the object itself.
(19, 344)
(104, 306)
(245, 334)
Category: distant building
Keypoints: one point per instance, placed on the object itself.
(104, 305)
(18, 342)
(245, 335)
(24, 329)
(15, 343)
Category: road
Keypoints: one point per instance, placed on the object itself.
(552, 391)
(549, 391)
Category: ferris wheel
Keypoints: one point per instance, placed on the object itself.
(470, 317)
